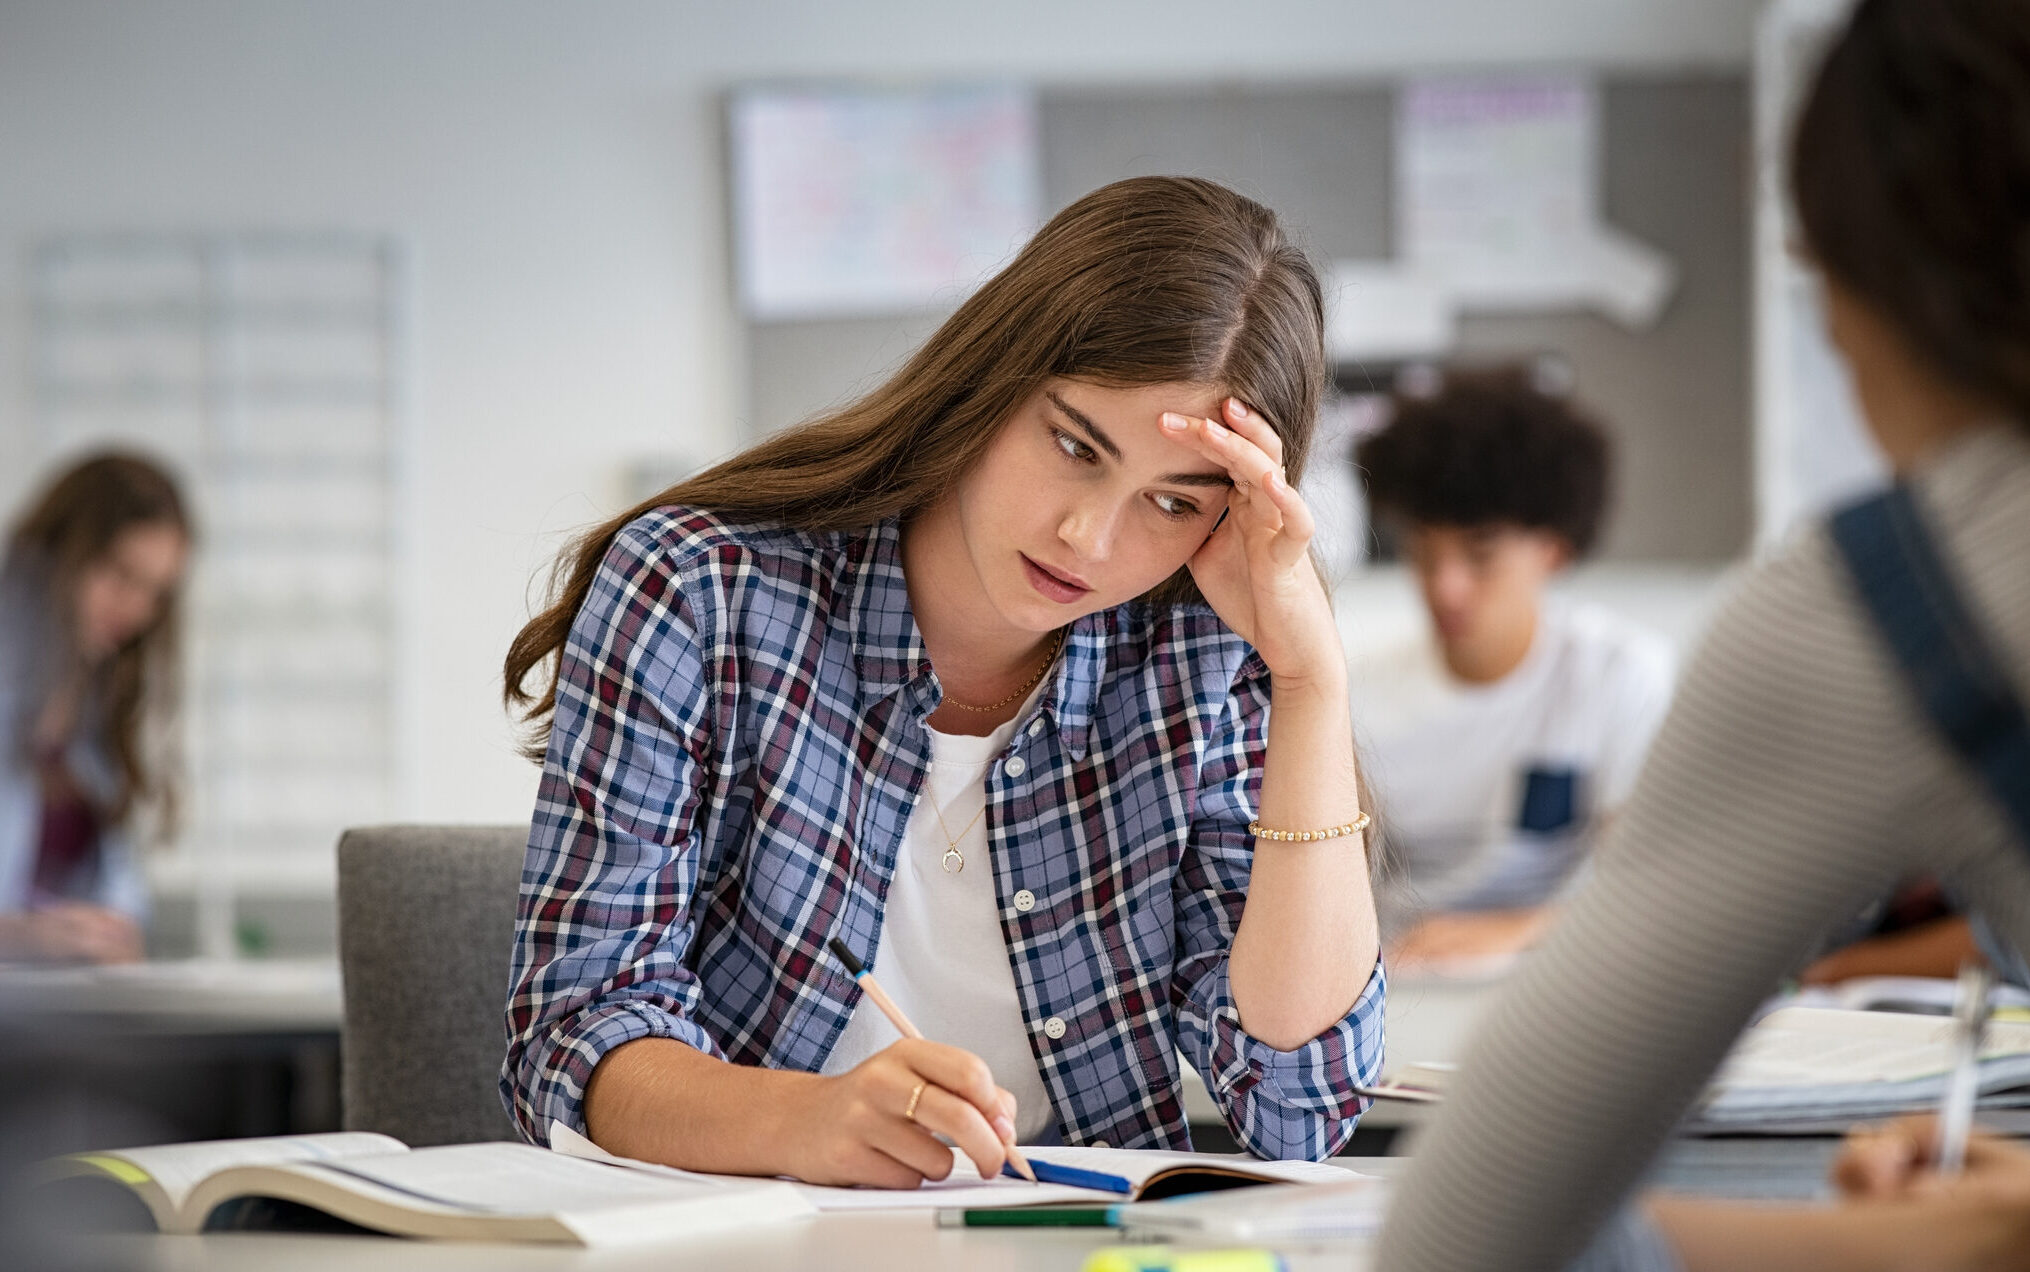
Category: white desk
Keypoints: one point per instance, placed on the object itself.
(190, 996)
(873, 1242)
(833, 1243)
(191, 1049)
(836, 1242)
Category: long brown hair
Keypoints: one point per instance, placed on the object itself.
(1910, 170)
(1152, 280)
(70, 528)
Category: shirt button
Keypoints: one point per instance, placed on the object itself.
(1025, 900)
(1036, 727)
(1101, 1144)
(1053, 1028)
(1016, 766)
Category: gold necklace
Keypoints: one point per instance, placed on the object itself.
(1027, 685)
(954, 861)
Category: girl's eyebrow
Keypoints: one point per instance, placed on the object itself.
(1084, 421)
(1099, 438)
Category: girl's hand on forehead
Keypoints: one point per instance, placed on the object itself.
(1255, 569)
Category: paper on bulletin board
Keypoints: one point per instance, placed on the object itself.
(1383, 310)
(865, 201)
(1497, 196)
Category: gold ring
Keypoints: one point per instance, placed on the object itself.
(909, 1114)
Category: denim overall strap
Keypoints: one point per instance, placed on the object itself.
(1946, 661)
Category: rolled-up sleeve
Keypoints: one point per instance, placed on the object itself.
(614, 852)
(1300, 1103)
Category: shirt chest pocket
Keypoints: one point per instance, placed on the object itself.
(1550, 800)
(785, 880)
(1140, 938)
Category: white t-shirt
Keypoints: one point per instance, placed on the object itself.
(941, 955)
(1489, 795)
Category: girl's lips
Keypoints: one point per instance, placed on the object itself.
(1053, 587)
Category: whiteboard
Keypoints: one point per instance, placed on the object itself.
(858, 201)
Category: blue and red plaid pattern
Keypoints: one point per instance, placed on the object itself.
(737, 747)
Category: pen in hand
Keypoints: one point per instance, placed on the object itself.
(872, 988)
(1956, 1109)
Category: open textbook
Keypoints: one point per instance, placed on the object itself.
(1149, 1174)
(481, 1192)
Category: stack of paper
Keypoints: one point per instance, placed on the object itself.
(1915, 995)
(1810, 1064)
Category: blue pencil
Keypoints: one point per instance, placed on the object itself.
(1050, 1173)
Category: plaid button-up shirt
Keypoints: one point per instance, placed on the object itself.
(738, 743)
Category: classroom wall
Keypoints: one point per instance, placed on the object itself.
(1674, 165)
(557, 173)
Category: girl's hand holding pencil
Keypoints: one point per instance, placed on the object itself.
(860, 1127)
(878, 1123)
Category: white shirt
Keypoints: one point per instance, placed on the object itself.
(1488, 795)
(941, 955)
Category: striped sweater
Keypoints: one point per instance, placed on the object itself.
(1793, 781)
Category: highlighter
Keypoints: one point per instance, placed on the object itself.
(1158, 1258)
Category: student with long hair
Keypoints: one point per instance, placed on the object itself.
(88, 667)
(1015, 676)
(1815, 753)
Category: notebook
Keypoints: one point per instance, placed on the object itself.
(1421, 1082)
(478, 1192)
(1148, 1173)
(1817, 1070)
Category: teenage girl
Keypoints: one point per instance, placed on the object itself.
(1016, 677)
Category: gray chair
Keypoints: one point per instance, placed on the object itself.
(426, 918)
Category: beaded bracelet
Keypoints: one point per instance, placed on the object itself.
(1353, 827)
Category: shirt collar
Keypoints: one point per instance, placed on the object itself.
(888, 649)
(889, 654)
(1078, 680)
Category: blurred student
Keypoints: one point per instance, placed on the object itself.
(1895, 1211)
(1917, 931)
(1804, 767)
(88, 630)
(1499, 743)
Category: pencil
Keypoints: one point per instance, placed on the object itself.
(873, 990)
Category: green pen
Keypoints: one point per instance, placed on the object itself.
(1032, 1217)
